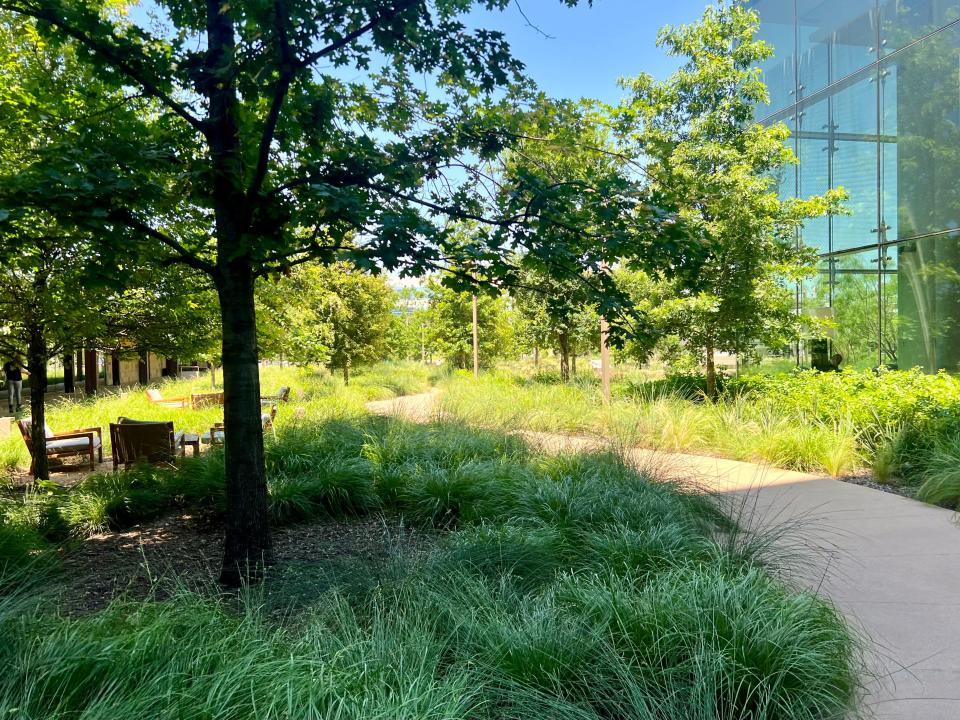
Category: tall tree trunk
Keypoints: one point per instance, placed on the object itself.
(573, 362)
(115, 367)
(37, 366)
(68, 372)
(143, 369)
(536, 358)
(711, 374)
(563, 341)
(91, 377)
(346, 372)
(247, 547)
(79, 366)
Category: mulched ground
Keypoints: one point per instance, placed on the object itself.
(868, 480)
(182, 552)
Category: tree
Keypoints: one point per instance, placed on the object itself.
(255, 155)
(409, 325)
(720, 169)
(336, 315)
(451, 326)
(288, 322)
(171, 312)
(53, 283)
(356, 306)
(557, 314)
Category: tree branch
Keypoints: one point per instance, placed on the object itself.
(282, 88)
(108, 53)
(183, 255)
(402, 6)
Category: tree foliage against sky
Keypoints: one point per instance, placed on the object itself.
(270, 134)
(703, 148)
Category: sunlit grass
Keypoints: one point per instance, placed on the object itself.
(559, 586)
(314, 392)
(655, 416)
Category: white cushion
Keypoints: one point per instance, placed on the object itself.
(72, 443)
(47, 431)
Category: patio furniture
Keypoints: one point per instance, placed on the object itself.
(84, 442)
(216, 434)
(148, 441)
(155, 396)
(282, 396)
(205, 400)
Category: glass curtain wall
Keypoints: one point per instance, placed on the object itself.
(871, 92)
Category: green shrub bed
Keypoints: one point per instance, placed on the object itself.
(562, 586)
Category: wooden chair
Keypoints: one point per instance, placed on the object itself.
(148, 441)
(216, 434)
(205, 400)
(76, 443)
(155, 396)
(282, 396)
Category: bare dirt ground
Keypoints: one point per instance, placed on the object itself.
(183, 552)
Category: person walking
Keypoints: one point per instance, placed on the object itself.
(13, 372)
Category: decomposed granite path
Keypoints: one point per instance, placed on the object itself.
(891, 564)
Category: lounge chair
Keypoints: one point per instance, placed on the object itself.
(148, 441)
(154, 396)
(282, 396)
(216, 434)
(205, 400)
(76, 443)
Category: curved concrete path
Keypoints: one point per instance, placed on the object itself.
(892, 565)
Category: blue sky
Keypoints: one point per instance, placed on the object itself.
(590, 48)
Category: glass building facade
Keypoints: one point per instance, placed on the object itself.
(871, 92)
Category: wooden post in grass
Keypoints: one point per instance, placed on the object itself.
(476, 342)
(605, 359)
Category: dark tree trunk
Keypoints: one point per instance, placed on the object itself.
(711, 374)
(247, 546)
(346, 373)
(564, 345)
(80, 372)
(173, 367)
(37, 366)
(143, 369)
(68, 372)
(573, 363)
(115, 367)
(92, 375)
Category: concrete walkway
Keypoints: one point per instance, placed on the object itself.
(892, 565)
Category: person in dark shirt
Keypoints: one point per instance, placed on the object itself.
(13, 372)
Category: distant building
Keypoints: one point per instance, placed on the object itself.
(871, 91)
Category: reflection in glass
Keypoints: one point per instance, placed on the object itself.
(777, 30)
(836, 38)
(920, 114)
(814, 300)
(903, 21)
(853, 135)
(855, 295)
(889, 318)
(928, 303)
(814, 169)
